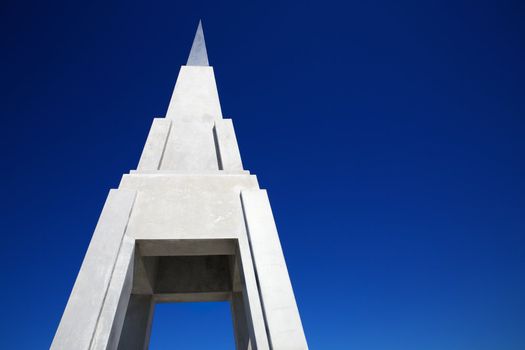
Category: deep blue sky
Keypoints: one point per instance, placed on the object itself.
(390, 135)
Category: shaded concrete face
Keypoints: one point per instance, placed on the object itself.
(136, 329)
(187, 270)
(190, 224)
(193, 274)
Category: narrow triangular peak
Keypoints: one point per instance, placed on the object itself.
(195, 96)
(198, 55)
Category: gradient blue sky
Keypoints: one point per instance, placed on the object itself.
(390, 135)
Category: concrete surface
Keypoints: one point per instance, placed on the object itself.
(190, 224)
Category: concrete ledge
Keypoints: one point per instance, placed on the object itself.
(199, 173)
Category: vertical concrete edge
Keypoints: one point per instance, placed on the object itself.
(111, 318)
(79, 320)
(252, 299)
(283, 322)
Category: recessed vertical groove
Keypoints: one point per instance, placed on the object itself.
(217, 148)
(256, 275)
(165, 145)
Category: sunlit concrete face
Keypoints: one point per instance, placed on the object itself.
(190, 224)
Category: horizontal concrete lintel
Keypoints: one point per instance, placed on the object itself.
(187, 247)
(192, 297)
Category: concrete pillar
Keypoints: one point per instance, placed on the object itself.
(111, 319)
(137, 324)
(83, 309)
(251, 298)
(240, 324)
(285, 330)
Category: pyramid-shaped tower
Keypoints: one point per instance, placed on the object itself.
(190, 224)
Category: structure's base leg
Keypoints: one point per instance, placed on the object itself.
(240, 324)
(137, 324)
(111, 318)
(285, 330)
(251, 301)
(100, 283)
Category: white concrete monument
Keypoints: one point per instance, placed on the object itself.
(190, 224)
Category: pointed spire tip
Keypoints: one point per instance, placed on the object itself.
(198, 54)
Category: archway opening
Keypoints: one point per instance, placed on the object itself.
(192, 325)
